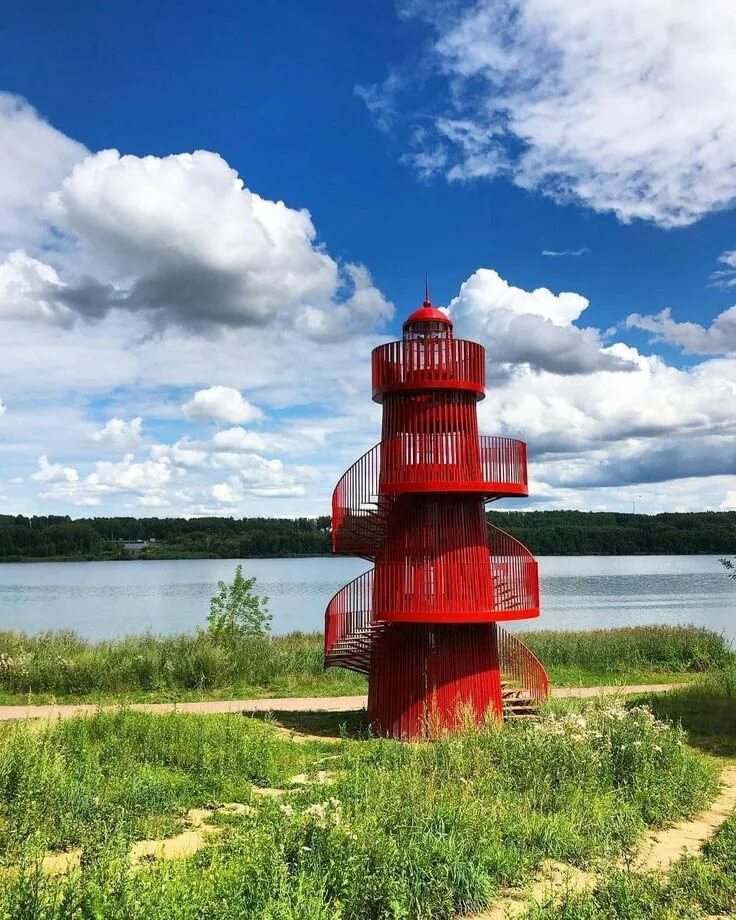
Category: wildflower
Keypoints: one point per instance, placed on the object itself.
(288, 810)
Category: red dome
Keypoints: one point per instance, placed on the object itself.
(428, 314)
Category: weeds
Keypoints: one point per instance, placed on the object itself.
(405, 830)
(62, 665)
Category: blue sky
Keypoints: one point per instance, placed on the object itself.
(465, 140)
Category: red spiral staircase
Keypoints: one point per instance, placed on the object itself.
(423, 623)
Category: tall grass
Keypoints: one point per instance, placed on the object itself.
(670, 648)
(406, 831)
(63, 664)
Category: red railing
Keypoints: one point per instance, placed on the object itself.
(452, 461)
(356, 521)
(428, 363)
(515, 573)
(519, 664)
(491, 465)
(350, 632)
(348, 625)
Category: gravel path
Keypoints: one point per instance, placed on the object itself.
(290, 704)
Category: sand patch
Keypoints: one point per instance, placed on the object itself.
(59, 863)
(657, 853)
(663, 848)
(320, 778)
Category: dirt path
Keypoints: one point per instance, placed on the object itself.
(290, 704)
(657, 853)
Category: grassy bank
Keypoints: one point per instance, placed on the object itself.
(403, 831)
(64, 667)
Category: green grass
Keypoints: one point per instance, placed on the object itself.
(696, 887)
(63, 667)
(683, 649)
(406, 831)
(706, 709)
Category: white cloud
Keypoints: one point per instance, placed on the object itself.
(53, 472)
(258, 476)
(146, 479)
(34, 158)
(119, 434)
(725, 277)
(221, 404)
(181, 240)
(622, 105)
(182, 453)
(588, 425)
(530, 327)
(718, 339)
(565, 252)
(29, 291)
(729, 502)
(3, 408)
(365, 309)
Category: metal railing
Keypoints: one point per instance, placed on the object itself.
(348, 625)
(434, 462)
(519, 664)
(515, 573)
(492, 465)
(428, 363)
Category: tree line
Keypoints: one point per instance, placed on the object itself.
(564, 533)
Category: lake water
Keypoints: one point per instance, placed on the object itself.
(106, 599)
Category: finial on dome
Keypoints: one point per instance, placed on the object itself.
(427, 301)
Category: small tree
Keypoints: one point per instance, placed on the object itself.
(237, 613)
(729, 565)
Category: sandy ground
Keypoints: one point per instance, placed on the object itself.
(291, 704)
(657, 853)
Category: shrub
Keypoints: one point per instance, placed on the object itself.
(236, 613)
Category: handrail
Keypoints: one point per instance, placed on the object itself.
(452, 461)
(428, 364)
(519, 664)
(515, 568)
(349, 612)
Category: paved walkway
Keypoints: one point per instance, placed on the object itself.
(290, 704)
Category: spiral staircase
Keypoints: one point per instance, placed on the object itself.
(362, 506)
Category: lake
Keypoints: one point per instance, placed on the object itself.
(107, 599)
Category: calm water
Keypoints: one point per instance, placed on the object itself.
(105, 599)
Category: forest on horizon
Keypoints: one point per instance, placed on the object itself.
(563, 533)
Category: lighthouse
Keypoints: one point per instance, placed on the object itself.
(423, 623)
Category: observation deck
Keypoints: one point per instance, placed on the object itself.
(428, 364)
(364, 496)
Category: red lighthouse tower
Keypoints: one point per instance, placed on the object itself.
(423, 623)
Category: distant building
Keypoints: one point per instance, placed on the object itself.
(135, 546)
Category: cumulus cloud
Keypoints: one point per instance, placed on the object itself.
(717, 339)
(183, 453)
(181, 240)
(530, 327)
(624, 106)
(29, 290)
(119, 434)
(35, 158)
(144, 479)
(261, 477)
(364, 309)
(54, 472)
(221, 404)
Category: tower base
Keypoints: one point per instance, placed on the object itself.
(427, 679)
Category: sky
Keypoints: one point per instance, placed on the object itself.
(210, 213)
